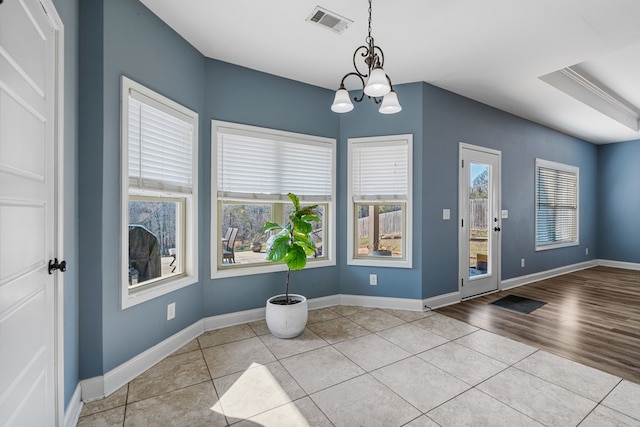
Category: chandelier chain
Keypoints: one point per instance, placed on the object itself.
(369, 38)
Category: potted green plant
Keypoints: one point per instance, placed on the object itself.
(286, 314)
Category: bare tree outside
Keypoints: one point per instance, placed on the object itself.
(157, 217)
(248, 219)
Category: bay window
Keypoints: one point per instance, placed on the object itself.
(380, 198)
(159, 174)
(253, 170)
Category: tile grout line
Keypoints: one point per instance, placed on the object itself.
(296, 381)
(601, 403)
(563, 387)
(126, 405)
(507, 405)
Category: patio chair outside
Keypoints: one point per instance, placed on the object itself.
(228, 253)
(225, 239)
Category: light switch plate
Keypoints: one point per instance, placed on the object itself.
(505, 214)
(446, 214)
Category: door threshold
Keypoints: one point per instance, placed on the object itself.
(479, 295)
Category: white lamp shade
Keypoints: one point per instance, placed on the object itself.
(390, 104)
(342, 103)
(377, 85)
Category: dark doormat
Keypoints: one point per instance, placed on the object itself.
(519, 304)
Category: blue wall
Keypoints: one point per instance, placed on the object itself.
(619, 202)
(450, 119)
(123, 37)
(240, 95)
(137, 44)
(363, 121)
(90, 129)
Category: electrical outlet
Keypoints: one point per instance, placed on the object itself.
(171, 311)
(373, 279)
(586, 251)
(522, 262)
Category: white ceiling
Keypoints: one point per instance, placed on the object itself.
(492, 51)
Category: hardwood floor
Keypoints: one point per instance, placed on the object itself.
(591, 316)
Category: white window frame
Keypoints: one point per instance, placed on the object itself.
(329, 220)
(406, 261)
(131, 297)
(540, 163)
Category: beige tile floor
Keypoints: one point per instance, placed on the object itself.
(356, 366)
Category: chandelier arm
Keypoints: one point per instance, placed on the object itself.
(358, 75)
(389, 80)
(379, 55)
(365, 53)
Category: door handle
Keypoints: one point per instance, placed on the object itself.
(54, 265)
(496, 229)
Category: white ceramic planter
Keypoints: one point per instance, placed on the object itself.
(287, 321)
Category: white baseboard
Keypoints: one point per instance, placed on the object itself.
(542, 275)
(454, 297)
(619, 264)
(240, 317)
(232, 319)
(441, 300)
(92, 389)
(381, 302)
(119, 376)
(323, 302)
(74, 408)
(99, 387)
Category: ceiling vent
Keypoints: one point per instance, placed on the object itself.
(329, 20)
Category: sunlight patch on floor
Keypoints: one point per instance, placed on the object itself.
(254, 392)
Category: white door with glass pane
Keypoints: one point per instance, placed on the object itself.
(28, 378)
(479, 220)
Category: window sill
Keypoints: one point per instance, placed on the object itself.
(220, 273)
(381, 262)
(132, 298)
(556, 246)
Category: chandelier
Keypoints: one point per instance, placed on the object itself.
(376, 84)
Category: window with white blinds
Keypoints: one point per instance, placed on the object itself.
(263, 164)
(160, 141)
(380, 170)
(380, 194)
(556, 205)
(159, 223)
(253, 171)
